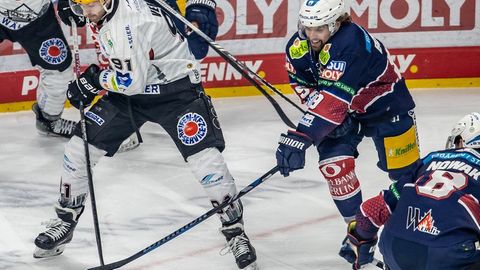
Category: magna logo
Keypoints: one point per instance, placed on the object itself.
(414, 15)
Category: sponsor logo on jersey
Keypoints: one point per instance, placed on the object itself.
(123, 79)
(128, 31)
(18, 17)
(425, 224)
(106, 43)
(324, 55)
(334, 70)
(95, 118)
(307, 120)
(298, 49)
(191, 128)
(53, 51)
(402, 150)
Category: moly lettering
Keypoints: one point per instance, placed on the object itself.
(413, 15)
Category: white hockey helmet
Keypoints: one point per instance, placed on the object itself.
(467, 130)
(321, 12)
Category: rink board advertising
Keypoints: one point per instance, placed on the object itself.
(434, 44)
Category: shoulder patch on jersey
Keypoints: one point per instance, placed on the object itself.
(325, 54)
(53, 51)
(191, 128)
(298, 49)
(107, 43)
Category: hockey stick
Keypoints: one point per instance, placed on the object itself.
(247, 73)
(76, 69)
(188, 226)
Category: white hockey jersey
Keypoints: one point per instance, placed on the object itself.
(144, 49)
(15, 14)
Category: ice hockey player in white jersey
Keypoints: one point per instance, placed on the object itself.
(200, 13)
(153, 77)
(33, 24)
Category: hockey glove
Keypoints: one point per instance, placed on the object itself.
(65, 11)
(85, 88)
(203, 13)
(291, 151)
(355, 250)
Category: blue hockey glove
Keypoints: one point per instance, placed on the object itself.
(85, 88)
(355, 250)
(291, 151)
(203, 13)
(65, 11)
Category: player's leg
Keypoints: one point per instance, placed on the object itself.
(397, 146)
(337, 165)
(47, 48)
(107, 126)
(196, 131)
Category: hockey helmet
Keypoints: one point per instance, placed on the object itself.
(77, 8)
(314, 13)
(467, 131)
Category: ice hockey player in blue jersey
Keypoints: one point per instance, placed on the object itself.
(432, 221)
(352, 90)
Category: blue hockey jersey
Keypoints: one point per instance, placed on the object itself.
(442, 207)
(351, 75)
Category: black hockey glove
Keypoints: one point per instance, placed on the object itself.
(355, 250)
(64, 12)
(291, 151)
(85, 88)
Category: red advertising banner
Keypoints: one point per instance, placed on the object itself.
(428, 39)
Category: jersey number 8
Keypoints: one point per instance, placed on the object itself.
(441, 184)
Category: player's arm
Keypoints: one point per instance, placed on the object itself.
(297, 66)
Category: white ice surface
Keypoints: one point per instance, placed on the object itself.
(148, 193)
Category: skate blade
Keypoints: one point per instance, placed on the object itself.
(252, 266)
(45, 253)
(128, 145)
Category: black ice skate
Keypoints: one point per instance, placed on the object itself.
(59, 232)
(239, 244)
(59, 127)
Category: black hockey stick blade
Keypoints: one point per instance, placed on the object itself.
(188, 226)
(246, 72)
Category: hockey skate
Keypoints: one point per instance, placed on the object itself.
(239, 244)
(59, 127)
(59, 232)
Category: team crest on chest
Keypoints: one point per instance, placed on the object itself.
(191, 128)
(53, 51)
